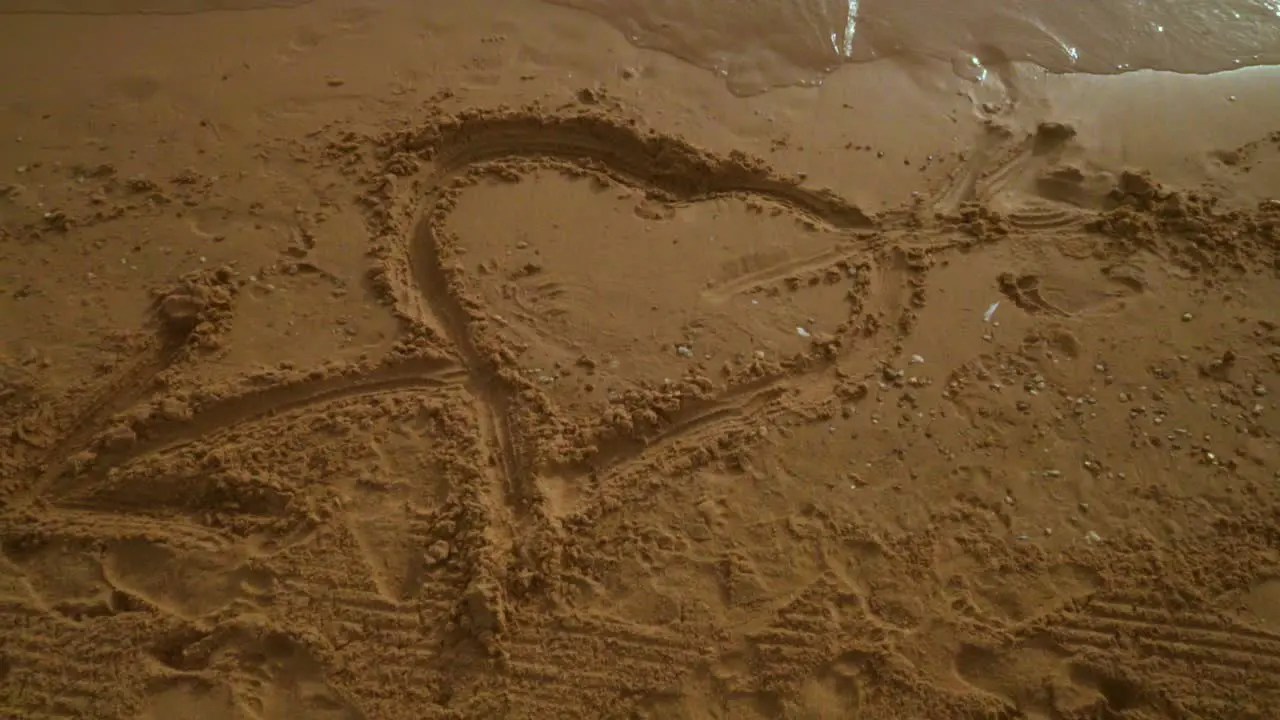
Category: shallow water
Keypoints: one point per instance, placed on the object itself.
(757, 44)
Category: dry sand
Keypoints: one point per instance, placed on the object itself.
(432, 360)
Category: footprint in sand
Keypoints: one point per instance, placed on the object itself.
(272, 677)
(64, 577)
(78, 581)
(187, 584)
(191, 699)
(388, 507)
(1263, 600)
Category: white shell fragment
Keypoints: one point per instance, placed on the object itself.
(991, 312)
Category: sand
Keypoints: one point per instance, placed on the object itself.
(373, 360)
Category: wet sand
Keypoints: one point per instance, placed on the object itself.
(391, 361)
(759, 44)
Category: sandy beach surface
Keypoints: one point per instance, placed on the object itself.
(605, 359)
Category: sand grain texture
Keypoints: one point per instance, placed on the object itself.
(496, 379)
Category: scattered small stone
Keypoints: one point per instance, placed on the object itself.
(802, 332)
(175, 410)
(438, 552)
(1186, 317)
(118, 438)
(1092, 537)
(916, 360)
(181, 311)
(1054, 132)
(1259, 390)
(684, 351)
(1084, 507)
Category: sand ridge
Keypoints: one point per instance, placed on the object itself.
(667, 432)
